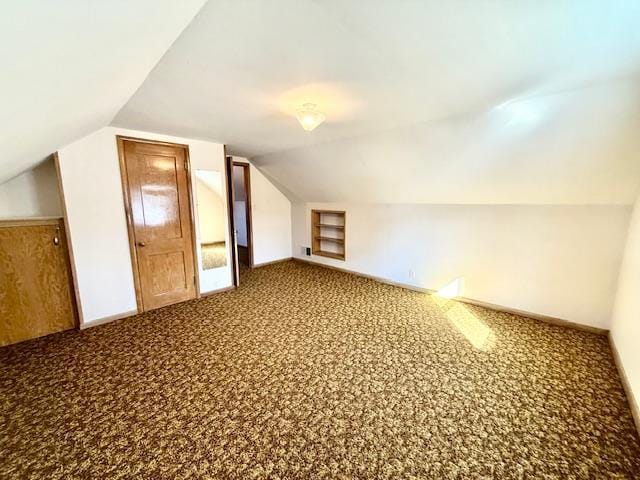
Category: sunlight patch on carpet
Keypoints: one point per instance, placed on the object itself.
(474, 329)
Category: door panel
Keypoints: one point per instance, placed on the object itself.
(167, 273)
(35, 282)
(160, 197)
(161, 216)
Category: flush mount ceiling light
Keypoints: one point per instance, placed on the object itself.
(309, 116)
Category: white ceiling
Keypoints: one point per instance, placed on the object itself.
(580, 147)
(458, 101)
(68, 67)
(373, 65)
(411, 90)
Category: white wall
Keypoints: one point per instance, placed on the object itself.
(239, 206)
(271, 217)
(34, 193)
(240, 221)
(625, 325)
(238, 182)
(212, 214)
(90, 174)
(560, 261)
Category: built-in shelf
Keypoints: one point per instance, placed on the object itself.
(330, 239)
(322, 221)
(340, 227)
(337, 256)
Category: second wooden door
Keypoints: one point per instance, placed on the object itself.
(160, 217)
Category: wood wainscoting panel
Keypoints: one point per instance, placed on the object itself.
(35, 281)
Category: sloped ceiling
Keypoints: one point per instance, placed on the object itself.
(534, 101)
(578, 147)
(426, 101)
(68, 67)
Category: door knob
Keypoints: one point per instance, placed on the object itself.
(141, 244)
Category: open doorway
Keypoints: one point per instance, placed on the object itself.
(242, 214)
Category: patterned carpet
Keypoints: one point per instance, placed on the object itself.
(309, 373)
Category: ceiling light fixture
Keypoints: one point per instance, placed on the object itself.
(309, 116)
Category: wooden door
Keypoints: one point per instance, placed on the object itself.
(160, 220)
(35, 280)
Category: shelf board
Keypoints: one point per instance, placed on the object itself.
(330, 239)
(328, 225)
(322, 253)
(334, 224)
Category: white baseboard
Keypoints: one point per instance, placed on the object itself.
(110, 318)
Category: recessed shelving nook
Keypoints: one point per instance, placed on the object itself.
(328, 233)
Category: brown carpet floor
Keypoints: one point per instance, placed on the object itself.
(310, 373)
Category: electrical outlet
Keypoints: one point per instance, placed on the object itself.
(412, 274)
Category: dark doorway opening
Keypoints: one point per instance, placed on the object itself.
(241, 179)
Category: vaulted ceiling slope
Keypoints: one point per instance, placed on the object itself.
(572, 148)
(426, 101)
(69, 67)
